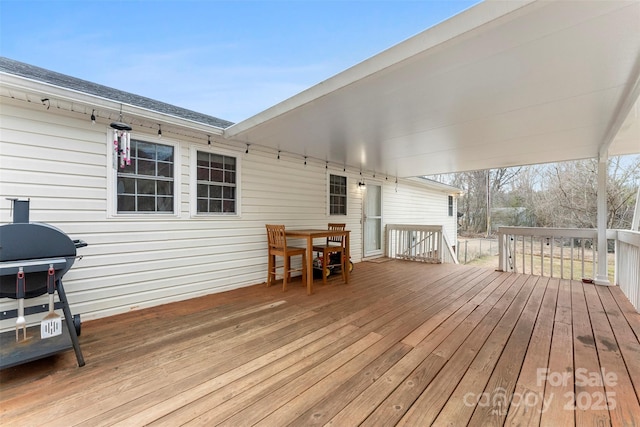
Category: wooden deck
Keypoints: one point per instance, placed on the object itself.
(403, 344)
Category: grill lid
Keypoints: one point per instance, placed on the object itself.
(34, 247)
(33, 241)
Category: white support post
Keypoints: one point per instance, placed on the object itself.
(602, 276)
(635, 224)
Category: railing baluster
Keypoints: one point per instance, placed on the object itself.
(524, 258)
(582, 256)
(541, 257)
(572, 242)
(562, 257)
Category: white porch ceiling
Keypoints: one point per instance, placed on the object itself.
(502, 84)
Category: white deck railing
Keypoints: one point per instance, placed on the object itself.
(628, 265)
(571, 253)
(425, 243)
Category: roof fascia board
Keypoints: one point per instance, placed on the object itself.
(435, 185)
(465, 24)
(48, 90)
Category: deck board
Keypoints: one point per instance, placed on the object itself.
(403, 343)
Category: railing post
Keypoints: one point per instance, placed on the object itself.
(466, 247)
(500, 251)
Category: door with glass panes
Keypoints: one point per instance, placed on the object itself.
(372, 220)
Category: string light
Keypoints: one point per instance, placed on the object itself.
(278, 154)
(159, 131)
(93, 117)
(305, 160)
(209, 139)
(247, 150)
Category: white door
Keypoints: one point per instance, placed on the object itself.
(372, 234)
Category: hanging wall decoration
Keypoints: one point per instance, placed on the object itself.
(121, 143)
(121, 148)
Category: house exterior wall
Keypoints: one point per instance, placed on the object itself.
(411, 204)
(61, 162)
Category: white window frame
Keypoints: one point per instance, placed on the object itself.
(193, 182)
(346, 203)
(112, 179)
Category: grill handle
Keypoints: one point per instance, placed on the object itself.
(80, 243)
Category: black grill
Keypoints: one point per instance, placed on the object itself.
(33, 255)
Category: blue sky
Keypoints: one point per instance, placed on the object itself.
(229, 59)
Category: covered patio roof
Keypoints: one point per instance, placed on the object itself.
(499, 85)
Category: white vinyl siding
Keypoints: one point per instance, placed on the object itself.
(62, 163)
(413, 204)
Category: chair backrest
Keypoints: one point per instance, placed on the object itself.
(335, 227)
(276, 237)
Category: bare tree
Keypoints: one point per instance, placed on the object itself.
(569, 195)
(553, 195)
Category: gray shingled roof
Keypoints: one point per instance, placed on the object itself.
(40, 74)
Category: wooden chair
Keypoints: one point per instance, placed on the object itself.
(277, 241)
(333, 245)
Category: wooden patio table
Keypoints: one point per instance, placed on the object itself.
(309, 235)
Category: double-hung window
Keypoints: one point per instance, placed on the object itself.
(450, 205)
(217, 177)
(147, 183)
(337, 195)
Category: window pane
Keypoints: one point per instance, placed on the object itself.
(215, 192)
(217, 161)
(165, 153)
(203, 205)
(215, 206)
(202, 174)
(146, 204)
(146, 167)
(146, 186)
(165, 204)
(203, 159)
(165, 188)
(126, 185)
(126, 203)
(229, 193)
(216, 175)
(165, 169)
(146, 150)
(229, 206)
